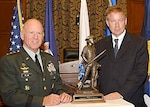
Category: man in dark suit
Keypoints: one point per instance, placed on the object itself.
(122, 75)
(26, 84)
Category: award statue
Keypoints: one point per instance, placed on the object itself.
(87, 85)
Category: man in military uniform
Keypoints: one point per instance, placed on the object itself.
(23, 82)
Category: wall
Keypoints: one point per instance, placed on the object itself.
(135, 10)
(66, 29)
(6, 11)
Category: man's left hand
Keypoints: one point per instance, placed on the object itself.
(112, 96)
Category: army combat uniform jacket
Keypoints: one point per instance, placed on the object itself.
(22, 84)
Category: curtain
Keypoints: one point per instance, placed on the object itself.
(65, 18)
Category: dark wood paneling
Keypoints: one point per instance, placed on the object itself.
(6, 10)
(135, 14)
(4, 43)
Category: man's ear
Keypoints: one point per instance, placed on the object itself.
(22, 35)
(107, 23)
(126, 21)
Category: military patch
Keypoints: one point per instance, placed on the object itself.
(25, 71)
(51, 67)
(24, 68)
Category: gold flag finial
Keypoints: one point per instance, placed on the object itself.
(110, 3)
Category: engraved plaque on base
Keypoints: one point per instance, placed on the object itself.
(88, 95)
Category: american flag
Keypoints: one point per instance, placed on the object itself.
(16, 24)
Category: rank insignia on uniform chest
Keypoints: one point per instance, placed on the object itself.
(24, 68)
(51, 67)
(25, 71)
(27, 88)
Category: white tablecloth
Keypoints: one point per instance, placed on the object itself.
(108, 103)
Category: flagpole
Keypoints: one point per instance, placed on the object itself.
(110, 3)
(19, 15)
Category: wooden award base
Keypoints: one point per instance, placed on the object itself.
(85, 96)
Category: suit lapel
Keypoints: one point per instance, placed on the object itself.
(124, 46)
(110, 50)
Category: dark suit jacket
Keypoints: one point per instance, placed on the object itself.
(127, 72)
(22, 83)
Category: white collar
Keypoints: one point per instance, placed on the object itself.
(120, 37)
(31, 53)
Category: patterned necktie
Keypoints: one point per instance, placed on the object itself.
(116, 47)
(37, 62)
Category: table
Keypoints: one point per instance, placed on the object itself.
(108, 103)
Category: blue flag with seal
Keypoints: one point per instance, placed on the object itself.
(17, 25)
(50, 41)
(111, 3)
(146, 33)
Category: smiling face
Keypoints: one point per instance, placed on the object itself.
(32, 34)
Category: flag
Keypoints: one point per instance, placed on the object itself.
(16, 27)
(50, 41)
(146, 33)
(84, 29)
(111, 3)
(84, 32)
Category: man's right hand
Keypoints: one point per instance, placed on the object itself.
(51, 100)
